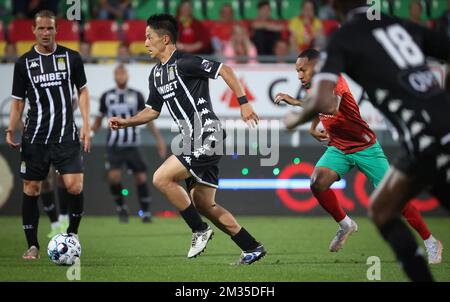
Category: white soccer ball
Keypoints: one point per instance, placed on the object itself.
(64, 249)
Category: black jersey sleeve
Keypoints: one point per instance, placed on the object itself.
(334, 62)
(78, 74)
(199, 67)
(19, 81)
(141, 101)
(102, 110)
(154, 99)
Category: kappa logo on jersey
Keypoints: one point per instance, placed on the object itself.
(207, 65)
(34, 65)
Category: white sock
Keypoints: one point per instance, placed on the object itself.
(430, 240)
(63, 217)
(345, 223)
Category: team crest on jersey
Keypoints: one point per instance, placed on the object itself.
(61, 62)
(171, 73)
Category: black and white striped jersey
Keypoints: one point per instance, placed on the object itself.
(123, 103)
(47, 81)
(182, 83)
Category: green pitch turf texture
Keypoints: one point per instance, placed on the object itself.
(297, 251)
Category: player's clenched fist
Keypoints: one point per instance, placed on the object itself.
(117, 123)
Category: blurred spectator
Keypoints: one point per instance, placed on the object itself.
(85, 52)
(10, 53)
(123, 54)
(443, 23)
(305, 28)
(326, 11)
(193, 37)
(281, 51)
(222, 29)
(29, 8)
(415, 13)
(115, 9)
(265, 30)
(240, 49)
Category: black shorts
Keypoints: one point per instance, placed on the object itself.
(432, 168)
(204, 170)
(117, 157)
(36, 159)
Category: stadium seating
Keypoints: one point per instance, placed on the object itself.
(134, 36)
(134, 31)
(20, 30)
(2, 40)
(214, 7)
(101, 30)
(438, 7)
(144, 8)
(103, 36)
(290, 8)
(68, 34)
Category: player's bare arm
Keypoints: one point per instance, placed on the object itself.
(247, 113)
(283, 97)
(320, 135)
(97, 123)
(85, 132)
(15, 115)
(322, 101)
(144, 116)
(160, 143)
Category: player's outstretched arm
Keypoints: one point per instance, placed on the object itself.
(247, 113)
(283, 97)
(144, 116)
(322, 100)
(85, 133)
(160, 143)
(15, 115)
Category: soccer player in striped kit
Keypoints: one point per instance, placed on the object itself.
(123, 144)
(46, 76)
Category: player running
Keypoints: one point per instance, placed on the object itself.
(351, 143)
(388, 61)
(180, 81)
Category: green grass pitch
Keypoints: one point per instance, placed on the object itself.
(297, 251)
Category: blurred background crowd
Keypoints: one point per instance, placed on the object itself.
(235, 31)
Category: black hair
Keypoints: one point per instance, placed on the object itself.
(164, 24)
(310, 53)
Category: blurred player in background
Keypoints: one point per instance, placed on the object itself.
(388, 61)
(123, 144)
(180, 81)
(351, 143)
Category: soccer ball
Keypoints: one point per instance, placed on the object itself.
(64, 249)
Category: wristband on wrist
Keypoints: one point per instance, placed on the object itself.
(242, 100)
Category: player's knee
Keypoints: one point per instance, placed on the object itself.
(31, 188)
(75, 188)
(318, 185)
(159, 180)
